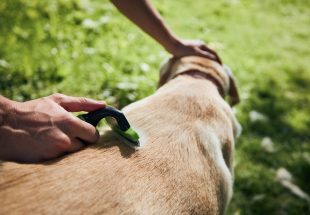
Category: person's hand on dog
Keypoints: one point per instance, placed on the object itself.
(144, 15)
(44, 128)
(181, 48)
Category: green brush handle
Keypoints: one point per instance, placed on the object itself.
(129, 134)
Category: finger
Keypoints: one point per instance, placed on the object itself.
(207, 49)
(206, 55)
(55, 143)
(83, 130)
(74, 104)
(212, 57)
(75, 145)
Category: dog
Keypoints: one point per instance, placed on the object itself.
(184, 165)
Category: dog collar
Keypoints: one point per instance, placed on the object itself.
(202, 75)
(199, 67)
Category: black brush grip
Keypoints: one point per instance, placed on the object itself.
(94, 117)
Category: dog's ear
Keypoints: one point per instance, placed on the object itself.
(163, 78)
(165, 71)
(233, 91)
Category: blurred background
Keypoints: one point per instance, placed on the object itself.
(87, 48)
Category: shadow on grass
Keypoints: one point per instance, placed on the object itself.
(256, 183)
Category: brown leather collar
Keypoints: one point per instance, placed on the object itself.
(198, 67)
(202, 75)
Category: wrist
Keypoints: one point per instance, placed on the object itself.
(172, 45)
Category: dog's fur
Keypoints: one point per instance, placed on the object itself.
(184, 165)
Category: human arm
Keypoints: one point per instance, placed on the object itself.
(144, 15)
(43, 129)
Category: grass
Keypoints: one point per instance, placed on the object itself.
(86, 48)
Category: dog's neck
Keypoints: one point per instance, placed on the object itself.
(202, 75)
(198, 67)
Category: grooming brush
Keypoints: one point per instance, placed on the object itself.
(116, 120)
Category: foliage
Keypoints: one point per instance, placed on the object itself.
(86, 48)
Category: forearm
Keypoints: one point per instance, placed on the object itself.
(143, 14)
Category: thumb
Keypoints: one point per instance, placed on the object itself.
(74, 104)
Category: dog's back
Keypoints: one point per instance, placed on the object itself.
(183, 167)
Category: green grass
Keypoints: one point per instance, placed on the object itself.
(86, 48)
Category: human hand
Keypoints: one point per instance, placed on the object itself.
(43, 129)
(181, 48)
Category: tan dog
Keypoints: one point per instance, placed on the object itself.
(184, 165)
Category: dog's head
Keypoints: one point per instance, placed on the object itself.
(220, 75)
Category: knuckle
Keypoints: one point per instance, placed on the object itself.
(64, 122)
(61, 143)
(67, 119)
(62, 138)
(58, 97)
(83, 100)
(72, 120)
